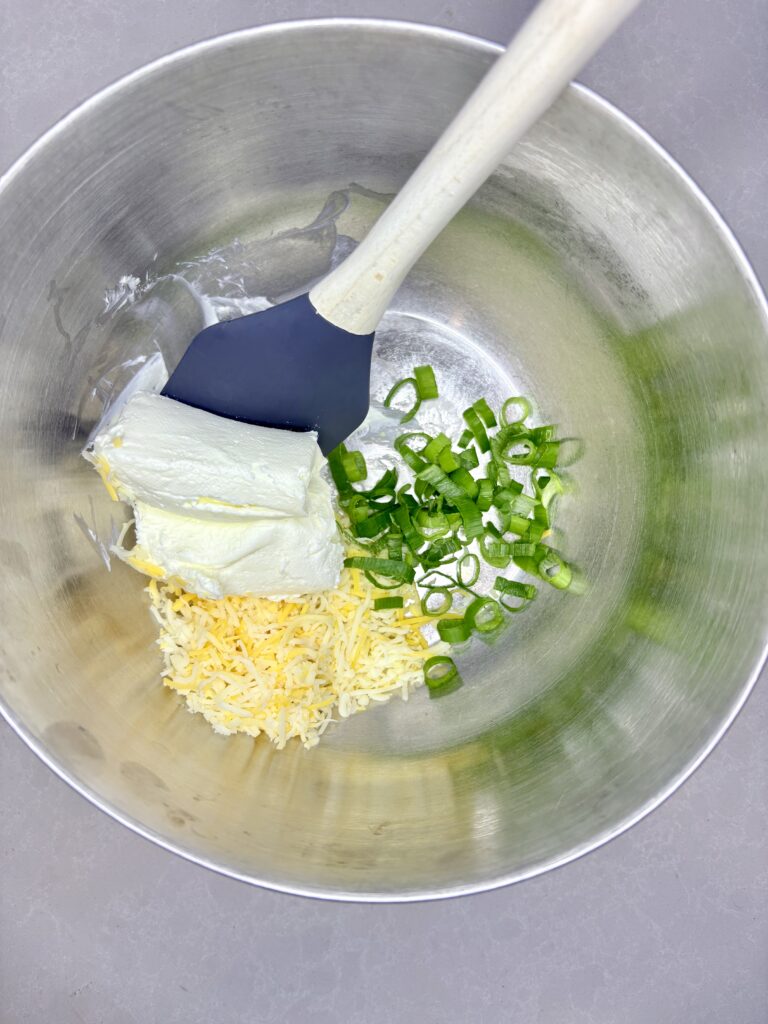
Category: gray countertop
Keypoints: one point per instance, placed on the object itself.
(668, 923)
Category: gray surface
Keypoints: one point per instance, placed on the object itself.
(667, 923)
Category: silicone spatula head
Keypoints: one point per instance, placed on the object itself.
(284, 367)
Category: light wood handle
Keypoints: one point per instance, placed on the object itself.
(558, 38)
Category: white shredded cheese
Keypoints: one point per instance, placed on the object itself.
(285, 668)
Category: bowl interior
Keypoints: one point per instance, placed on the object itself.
(587, 273)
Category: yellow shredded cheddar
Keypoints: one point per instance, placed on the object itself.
(145, 566)
(104, 470)
(287, 668)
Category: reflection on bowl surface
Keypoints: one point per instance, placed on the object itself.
(587, 273)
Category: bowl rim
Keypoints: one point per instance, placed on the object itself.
(606, 108)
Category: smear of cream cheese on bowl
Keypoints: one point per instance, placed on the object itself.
(223, 507)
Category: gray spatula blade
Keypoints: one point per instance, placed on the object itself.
(285, 367)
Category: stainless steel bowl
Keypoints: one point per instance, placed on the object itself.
(589, 272)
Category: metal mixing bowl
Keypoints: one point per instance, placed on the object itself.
(589, 272)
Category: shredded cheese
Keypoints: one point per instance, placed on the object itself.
(105, 472)
(148, 568)
(284, 668)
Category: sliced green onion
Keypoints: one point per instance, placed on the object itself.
(498, 519)
(523, 549)
(484, 498)
(485, 412)
(523, 504)
(441, 676)
(432, 449)
(442, 550)
(387, 567)
(515, 447)
(548, 453)
(443, 484)
(381, 604)
(448, 461)
(554, 570)
(471, 518)
(454, 519)
(515, 410)
(426, 385)
(541, 434)
(405, 499)
(443, 595)
(402, 518)
(466, 438)
(498, 473)
(379, 584)
(466, 482)
(384, 486)
(524, 592)
(372, 526)
(395, 547)
(384, 502)
(411, 456)
(495, 552)
(356, 507)
(494, 531)
(426, 581)
(484, 615)
(429, 581)
(468, 459)
(519, 525)
(504, 496)
(536, 531)
(395, 390)
(515, 588)
(454, 631)
(547, 486)
(468, 577)
(541, 516)
(354, 466)
(430, 525)
(423, 491)
(336, 466)
(475, 424)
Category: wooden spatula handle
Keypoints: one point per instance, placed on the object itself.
(552, 45)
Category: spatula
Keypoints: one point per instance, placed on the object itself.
(305, 364)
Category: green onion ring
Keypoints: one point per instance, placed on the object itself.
(409, 413)
(441, 676)
(469, 559)
(484, 615)
(446, 600)
(525, 410)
